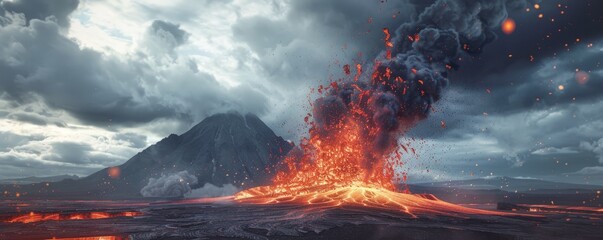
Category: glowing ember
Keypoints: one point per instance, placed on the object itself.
(114, 172)
(508, 26)
(40, 217)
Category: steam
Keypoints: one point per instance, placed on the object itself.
(210, 190)
(175, 185)
(409, 77)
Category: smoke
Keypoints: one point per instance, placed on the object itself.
(175, 185)
(210, 190)
(408, 78)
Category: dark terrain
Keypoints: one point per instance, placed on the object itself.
(200, 219)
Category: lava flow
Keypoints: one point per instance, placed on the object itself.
(39, 217)
(333, 172)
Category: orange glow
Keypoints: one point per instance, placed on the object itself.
(388, 44)
(508, 26)
(93, 238)
(360, 194)
(40, 217)
(536, 6)
(114, 172)
(561, 87)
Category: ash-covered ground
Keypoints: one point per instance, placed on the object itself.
(225, 219)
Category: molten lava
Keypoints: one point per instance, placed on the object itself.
(93, 238)
(361, 195)
(39, 217)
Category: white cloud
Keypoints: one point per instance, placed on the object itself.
(554, 151)
(597, 170)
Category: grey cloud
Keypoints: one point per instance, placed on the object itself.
(41, 10)
(9, 140)
(554, 151)
(133, 139)
(99, 89)
(70, 152)
(263, 34)
(595, 147)
(106, 90)
(298, 50)
(19, 165)
(164, 37)
(29, 118)
(169, 32)
(590, 171)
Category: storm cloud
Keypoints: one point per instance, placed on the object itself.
(114, 77)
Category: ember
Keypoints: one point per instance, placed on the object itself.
(508, 26)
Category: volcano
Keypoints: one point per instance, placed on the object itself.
(227, 148)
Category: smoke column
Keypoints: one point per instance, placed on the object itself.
(410, 75)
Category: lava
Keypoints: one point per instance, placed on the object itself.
(40, 217)
(361, 195)
(93, 238)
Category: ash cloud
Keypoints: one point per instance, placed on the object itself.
(175, 185)
(408, 78)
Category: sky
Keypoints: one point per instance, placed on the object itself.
(86, 84)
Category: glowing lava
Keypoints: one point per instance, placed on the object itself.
(93, 238)
(40, 217)
(341, 165)
(363, 196)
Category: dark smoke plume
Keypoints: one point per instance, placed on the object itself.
(409, 77)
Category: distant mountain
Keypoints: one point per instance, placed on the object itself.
(508, 184)
(30, 180)
(227, 148)
(511, 190)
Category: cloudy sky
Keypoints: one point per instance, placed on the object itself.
(87, 84)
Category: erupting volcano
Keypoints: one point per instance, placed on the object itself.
(351, 154)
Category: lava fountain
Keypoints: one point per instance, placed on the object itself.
(351, 154)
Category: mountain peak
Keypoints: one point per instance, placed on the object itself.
(225, 148)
